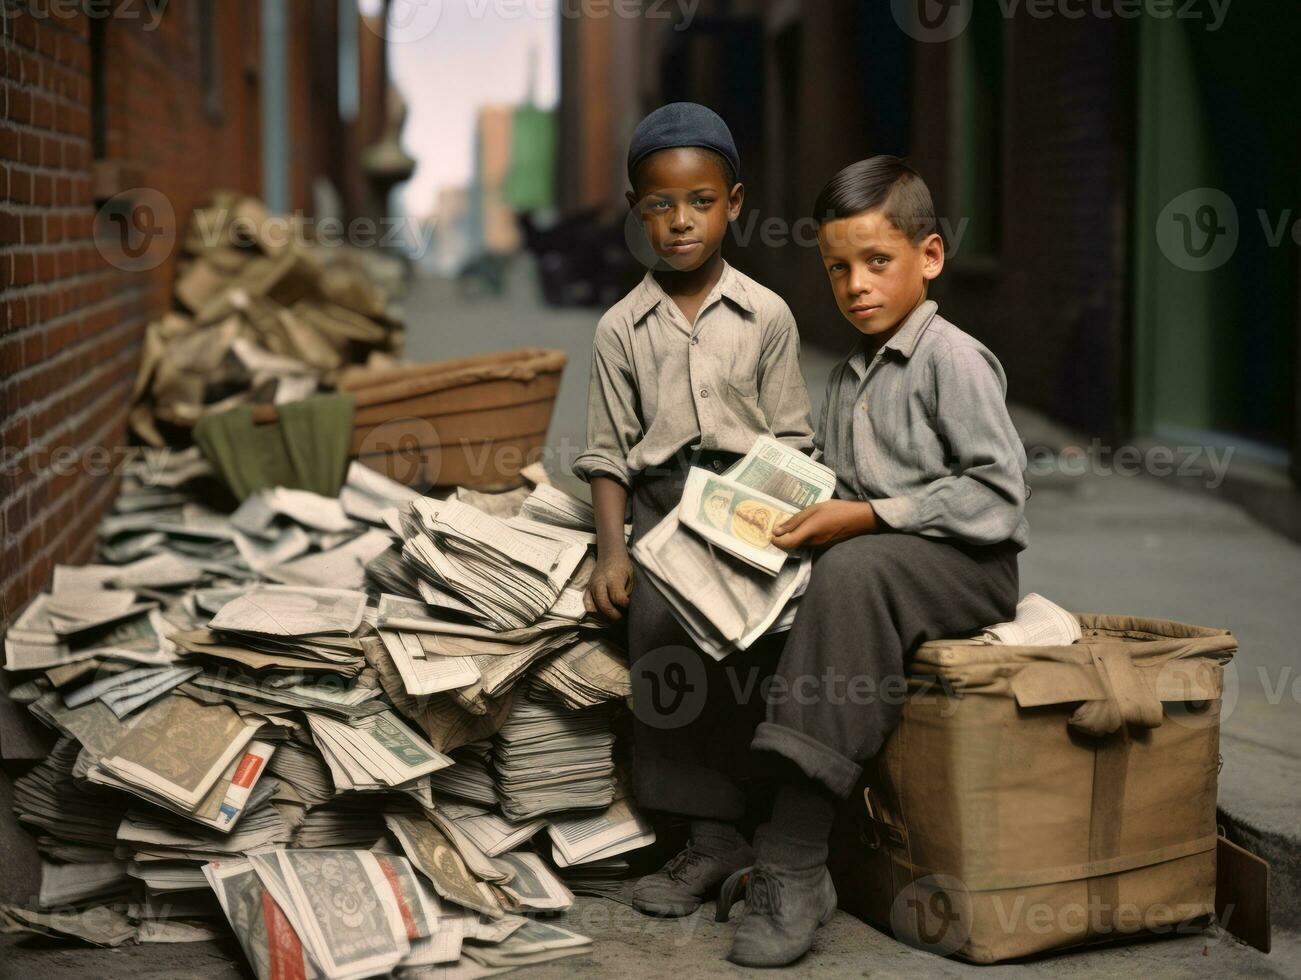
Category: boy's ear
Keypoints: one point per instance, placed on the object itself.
(932, 256)
(735, 198)
(632, 199)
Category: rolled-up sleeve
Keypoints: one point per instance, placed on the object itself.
(982, 500)
(613, 425)
(783, 394)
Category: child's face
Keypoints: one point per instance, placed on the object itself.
(877, 274)
(684, 205)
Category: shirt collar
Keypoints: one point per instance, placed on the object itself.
(905, 339)
(650, 293)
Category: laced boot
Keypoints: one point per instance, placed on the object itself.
(693, 874)
(783, 910)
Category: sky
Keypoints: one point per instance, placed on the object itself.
(448, 58)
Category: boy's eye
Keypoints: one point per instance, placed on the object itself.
(878, 262)
(658, 205)
(837, 267)
(703, 201)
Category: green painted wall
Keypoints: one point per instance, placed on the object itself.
(1218, 146)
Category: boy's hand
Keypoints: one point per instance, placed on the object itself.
(609, 587)
(825, 524)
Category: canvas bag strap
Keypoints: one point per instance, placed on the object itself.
(1128, 701)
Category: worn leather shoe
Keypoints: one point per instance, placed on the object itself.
(783, 909)
(688, 879)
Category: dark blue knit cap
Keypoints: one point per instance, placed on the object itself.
(682, 124)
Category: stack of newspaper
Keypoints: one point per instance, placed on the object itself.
(250, 726)
(548, 758)
(504, 574)
(713, 558)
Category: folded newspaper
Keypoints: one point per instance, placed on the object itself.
(1038, 623)
(713, 558)
(738, 510)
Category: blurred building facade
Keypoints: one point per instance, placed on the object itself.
(1054, 147)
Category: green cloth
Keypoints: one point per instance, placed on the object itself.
(530, 182)
(306, 450)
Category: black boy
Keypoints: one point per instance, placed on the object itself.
(688, 369)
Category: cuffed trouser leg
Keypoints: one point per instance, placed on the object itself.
(871, 601)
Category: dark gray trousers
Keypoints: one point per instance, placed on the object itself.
(872, 600)
(830, 690)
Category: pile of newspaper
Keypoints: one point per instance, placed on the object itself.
(264, 314)
(713, 558)
(259, 712)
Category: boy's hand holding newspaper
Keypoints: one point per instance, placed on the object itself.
(825, 524)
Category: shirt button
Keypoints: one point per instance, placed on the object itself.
(695, 340)
(704, 392)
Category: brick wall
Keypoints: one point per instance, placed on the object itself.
(69, 327)
(72, 317)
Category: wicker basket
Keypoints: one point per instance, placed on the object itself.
(473, 422)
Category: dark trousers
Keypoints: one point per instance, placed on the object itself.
(824, 696)
(691, 725)
(872, 600)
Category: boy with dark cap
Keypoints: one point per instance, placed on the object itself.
(920, 542)
(688, 369)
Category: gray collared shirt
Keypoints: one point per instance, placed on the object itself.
(921, 430)
(660, 384)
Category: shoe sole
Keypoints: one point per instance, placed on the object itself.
(666, 911)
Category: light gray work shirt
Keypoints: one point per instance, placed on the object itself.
(660, 384)
(920, 429)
